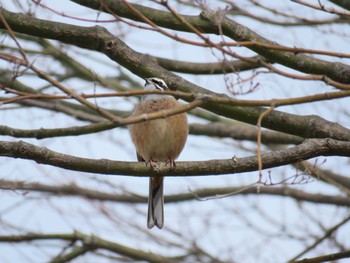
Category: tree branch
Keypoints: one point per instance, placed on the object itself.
(324, 258)
(98, 38)
(272, 19)
(324, 8)
(303, 63)
(326, 235)
(93, 242)
(238, 132)
(220, 130)
(209, 68)
(308, 149)
(218, 192)
(76, 252)
(342, 3)
(327, 176)
(336, 71)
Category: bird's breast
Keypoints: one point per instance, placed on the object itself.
(161, 139)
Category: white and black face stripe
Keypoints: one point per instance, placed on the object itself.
(155, 84)
(158, 83)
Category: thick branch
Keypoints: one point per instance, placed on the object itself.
(237, 132)
(161, 18)
(308, 149)
(342, 3)
(336, 71)
(209, 68)
(98, 38)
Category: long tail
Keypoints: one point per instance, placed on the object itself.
(155, 203)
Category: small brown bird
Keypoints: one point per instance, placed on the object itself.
(160, 140)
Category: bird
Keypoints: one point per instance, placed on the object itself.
(159, 140)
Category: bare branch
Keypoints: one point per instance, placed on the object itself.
(300, 62)
(308, 149)
(325, 258)
(321, 239)
(90, 242)
(98, 38)
(75, 190)
(75, 253)
(324, 8)
(343, 3)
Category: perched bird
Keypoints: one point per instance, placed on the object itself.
(159, 140)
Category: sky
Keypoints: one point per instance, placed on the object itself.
(240, 217)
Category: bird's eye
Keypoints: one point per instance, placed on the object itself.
(159, 84)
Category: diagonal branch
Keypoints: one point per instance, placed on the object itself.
(335, 71)
(75, 253)
(70, 92)
(325, 258)
(324, 8)
(209, 68)
(326, 235)
(98, 38)
(207, 22)
(342, 3)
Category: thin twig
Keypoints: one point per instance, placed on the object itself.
(57, 84)
(321, 7)
(326, 235)
(13, 36)
(260, 164)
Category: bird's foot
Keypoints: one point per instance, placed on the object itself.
(171, 163)
(153, 164)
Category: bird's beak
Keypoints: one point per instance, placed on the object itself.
(147, 82)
